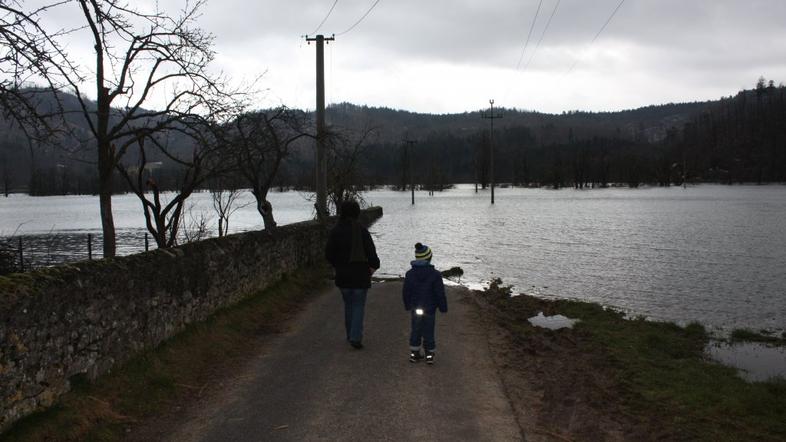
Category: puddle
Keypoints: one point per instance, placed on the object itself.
(480, 286)
(755, 361)
(555, 322)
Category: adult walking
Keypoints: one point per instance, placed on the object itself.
(351, 252)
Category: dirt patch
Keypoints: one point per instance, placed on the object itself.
(559, 385)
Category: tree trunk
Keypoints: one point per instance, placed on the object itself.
(105, 168)
(266, 210)
(107, 222)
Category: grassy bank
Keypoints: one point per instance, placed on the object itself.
(651, 376)
(182, 368)
(745, 335)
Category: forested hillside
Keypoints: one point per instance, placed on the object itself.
(740, 138)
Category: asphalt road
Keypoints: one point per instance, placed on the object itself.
(309, 384)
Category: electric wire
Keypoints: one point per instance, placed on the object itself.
(607, 21)
(529, 35)
(524, 49)
(359, 20)
(537, 45)
(602, 28)
(326, 17)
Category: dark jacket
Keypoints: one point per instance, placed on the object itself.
(356, 274)
(423, 288)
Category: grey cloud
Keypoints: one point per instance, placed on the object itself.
(704, 45)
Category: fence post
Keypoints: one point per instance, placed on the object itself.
(21, 258)
(147, 244)
(90, 246)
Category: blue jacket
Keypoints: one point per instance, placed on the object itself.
(423, 288)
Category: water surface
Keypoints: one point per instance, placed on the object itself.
(714, 254)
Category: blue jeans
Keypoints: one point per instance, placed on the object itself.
(354, 306)
(422, 331)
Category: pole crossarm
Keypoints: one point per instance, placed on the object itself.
(318, 37)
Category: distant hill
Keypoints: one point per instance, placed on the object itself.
(532, 146)
(654, 121)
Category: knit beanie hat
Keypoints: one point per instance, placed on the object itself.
(422, 252)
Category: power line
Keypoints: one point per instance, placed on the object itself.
(325, 19)
(608, 20)
(531, 28)
(359, 20)
(553, 11)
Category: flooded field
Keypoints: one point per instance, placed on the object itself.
(712, 254)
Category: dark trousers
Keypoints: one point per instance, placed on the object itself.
(422, 331)
(354, 307)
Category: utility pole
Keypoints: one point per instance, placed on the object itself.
(476, 170)
(491, 116)
(321, 156)
(408, 145)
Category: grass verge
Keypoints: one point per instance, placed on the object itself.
(160, 379)
(745, 335)
(658, 372)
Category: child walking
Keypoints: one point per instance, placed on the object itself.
(423, 294)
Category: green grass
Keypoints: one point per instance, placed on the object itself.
(662, 372)
(160, 379)
(745, 335)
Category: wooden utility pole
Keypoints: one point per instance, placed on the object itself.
(491, 116)
(408, 145)
(321, 155)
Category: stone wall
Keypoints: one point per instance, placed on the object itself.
(85, 318)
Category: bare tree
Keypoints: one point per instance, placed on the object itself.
(345, 175)
(6, 175)
(225, 203)
(143, 59)
(196, 226)
(163, 217)
(33, 67)
(260, 142)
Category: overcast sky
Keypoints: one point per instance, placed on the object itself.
(443, 56)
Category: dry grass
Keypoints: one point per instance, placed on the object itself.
(180, 369)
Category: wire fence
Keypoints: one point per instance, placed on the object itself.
(29, 252)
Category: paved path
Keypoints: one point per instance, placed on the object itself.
(309, 384)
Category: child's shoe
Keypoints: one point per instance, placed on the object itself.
(429, 357)
(415, 355)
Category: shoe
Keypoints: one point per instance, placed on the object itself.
(429, 357)
(356, 344)
(415, 356)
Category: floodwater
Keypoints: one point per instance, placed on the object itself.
(713, 254)
(754, 361)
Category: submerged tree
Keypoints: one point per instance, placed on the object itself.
(259, 142)
(346, 180)
(225, 194)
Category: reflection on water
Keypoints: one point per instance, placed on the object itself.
(41, 250)
(55, 229)
(755, 361)
(712, 254)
